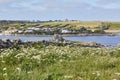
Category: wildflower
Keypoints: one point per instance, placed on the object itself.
(5, 74)
(3, 61)
(18, 69)
(93, 73)
(117, 74)
(66, 76)
(36, 57)
(1, 56)
(4, 69)
(61, 60)
(92, 53)
(98, 73)
(29, 72)
(20, 55)
(80, 78)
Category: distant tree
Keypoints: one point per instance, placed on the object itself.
(105, 26)
(83, 29)
(99, 31)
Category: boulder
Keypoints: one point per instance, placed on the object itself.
(57, 38)
(5, 43)
(118, 45)
(1, 41)
(94, 44)
(6, 40)
(17, 41)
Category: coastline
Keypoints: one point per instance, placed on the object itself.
(17, 36)
(64, 35)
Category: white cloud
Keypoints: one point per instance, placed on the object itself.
(57, 9)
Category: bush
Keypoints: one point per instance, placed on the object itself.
(38, 62)
(99, 31)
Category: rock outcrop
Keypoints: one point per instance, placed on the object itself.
(6, 43)
(118, 45)
(57, 40)
(94, 44)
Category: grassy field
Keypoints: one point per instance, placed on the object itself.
(73, 25)
(92, 25)
(115, 26)
(59, 63)
(89, 25)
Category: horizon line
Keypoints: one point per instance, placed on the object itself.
(55, 20)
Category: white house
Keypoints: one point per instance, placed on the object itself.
(65, 31)
(45, 29)
(20, 31)
(34, 28)
(29, 31)
(9, 32)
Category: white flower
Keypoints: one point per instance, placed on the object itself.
(1, 56)
(98, 73)
(92, 53)
(93, 73)
(3, 61)
(5, 74)
(36, 57)
(61, 60)
(117, 74)
(4, 69)
(29, 72)
(18, 69)
(66, 76)
(20, 55)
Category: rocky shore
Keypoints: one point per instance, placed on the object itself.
(82, 34)
(57, 40)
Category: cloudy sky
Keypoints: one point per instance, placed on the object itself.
(87, 10)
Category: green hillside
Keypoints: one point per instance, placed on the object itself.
(92, 25)
(115, 26)
(89, 25)
(72, 25)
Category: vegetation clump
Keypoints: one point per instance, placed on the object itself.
(39, 62)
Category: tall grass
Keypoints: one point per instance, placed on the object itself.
(59, 63)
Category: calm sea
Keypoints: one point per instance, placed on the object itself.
(105, 40)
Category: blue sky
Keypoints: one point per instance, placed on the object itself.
(84, 10)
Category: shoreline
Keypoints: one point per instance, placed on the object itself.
(64, 35)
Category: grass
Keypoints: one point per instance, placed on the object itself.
(115, 26)
(92, 25)
(73, 25)
(59, 63)
(89, 25)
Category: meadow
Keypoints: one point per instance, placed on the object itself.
(91, 25)
(39, 62)
(73, 25)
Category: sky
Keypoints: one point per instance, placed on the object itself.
(84, 10)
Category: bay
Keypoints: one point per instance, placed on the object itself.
(105, 40)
